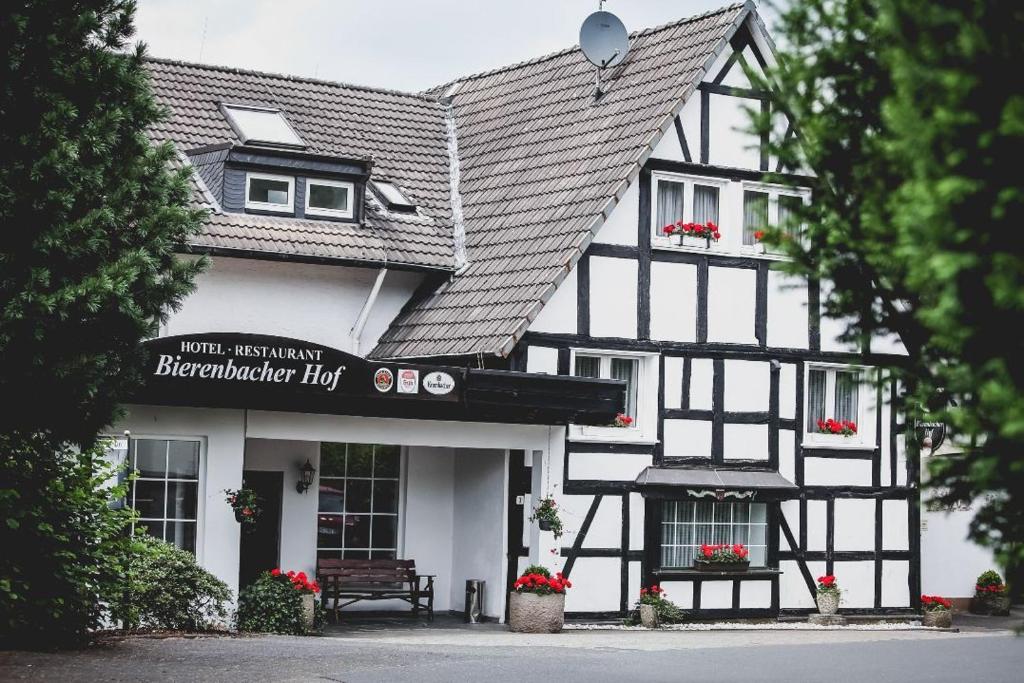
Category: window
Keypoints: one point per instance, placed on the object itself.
(687, 525)
(328, 198)
(269, 192)
(392, 197)
(607, 367)
(166, 490)
(358, 502)
(765, 207)
(832, 393)
(261, 125)
(679, 198)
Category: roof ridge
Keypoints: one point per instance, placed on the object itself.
(566, 50)
(291, 77)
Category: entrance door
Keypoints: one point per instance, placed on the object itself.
(519, 482)
(261, 543)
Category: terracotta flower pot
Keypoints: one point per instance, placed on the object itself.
(938, 618)
(532, 613)
(828, 602)
(308, 611)
(649, 616)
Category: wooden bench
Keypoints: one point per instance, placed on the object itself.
(346, 582)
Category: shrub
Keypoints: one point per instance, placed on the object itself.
(62, 542)
(167, 589)
(989, 582)
(273, 603)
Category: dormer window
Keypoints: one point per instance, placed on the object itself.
(261, 126)
(265, 192)
(390, 196)
(330, 198)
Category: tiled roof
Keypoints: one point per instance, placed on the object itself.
(542, 165)
(404, 134)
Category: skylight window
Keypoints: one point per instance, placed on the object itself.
(261, 126)
(392, 198)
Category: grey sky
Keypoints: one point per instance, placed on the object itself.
(401, 44)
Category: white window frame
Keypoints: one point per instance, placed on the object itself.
(677, 242)
(331, 213)
(859, 440)
(645, 426)
(200, 487)
(774, 192)
(270, 206)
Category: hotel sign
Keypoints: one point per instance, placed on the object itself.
(244, 369)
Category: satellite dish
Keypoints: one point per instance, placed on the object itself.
(603, 39)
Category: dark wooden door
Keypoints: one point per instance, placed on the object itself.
(260, 549)
(519, 481)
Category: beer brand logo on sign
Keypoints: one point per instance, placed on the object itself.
(383, 380)
(408, 381)
(439, 383)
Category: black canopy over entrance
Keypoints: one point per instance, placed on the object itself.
(228, 370)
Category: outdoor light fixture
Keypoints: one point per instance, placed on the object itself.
(306, 473)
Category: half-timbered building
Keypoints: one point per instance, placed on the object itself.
(507, 231)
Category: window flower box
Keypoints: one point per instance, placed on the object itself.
(844, 428)
(722, 558)
(693, 234)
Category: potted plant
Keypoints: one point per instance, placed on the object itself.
(546, 516)
(245, 503)
(838, 427)
(938, 611)
(537, 601)
(828, 594)
(654, 608)
(991, 596)
(278, 602)
(722, 557)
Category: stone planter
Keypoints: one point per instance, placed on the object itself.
(308, 611)
(649, 616)
(938, 618)
(704, 566)
(532, 613)
(993, 604)
(828, 602)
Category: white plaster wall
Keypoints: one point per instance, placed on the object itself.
(793, 593)
(690, 118)
(613, 283)
(894, 525)
(857, 581)
(669, 148)
(729, 142)
(747, 385)
(223, 433)
(817, 518)
(854, 524)
(478, 527)
(787, 311)
(620, 226)
(787, 454)
(755, 594)
(595, 585)
(673, 301)
(702, 375)
(787, 391)
(637, 512)
(542, 359)
(559, 313)
(731, 302)
(607, 466)
(791, 511)
(428, 515)
(836, 472)
(679, 592)
(896, 584)
(745, 442)
(303, 301)
(606, 529)
(687, 438)
(716, 595)
(673, 382)
(950, 563)
(297, 550)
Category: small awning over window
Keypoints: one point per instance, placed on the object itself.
(672, 479)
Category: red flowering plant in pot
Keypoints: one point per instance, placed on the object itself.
(546, 516)
(722, 557)
(829, 595)
(537, 601)
(279, 602)
(708, 232)
(623, 420)
(991, 595)
(938, 611)
(838, 427)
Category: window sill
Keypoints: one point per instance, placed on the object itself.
(609, 435)
(668, 245)
(840, 443)
(683, 573)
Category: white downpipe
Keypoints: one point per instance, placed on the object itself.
(356, 332)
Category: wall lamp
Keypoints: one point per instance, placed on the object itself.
(306, 474)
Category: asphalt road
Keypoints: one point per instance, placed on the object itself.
(586, 657)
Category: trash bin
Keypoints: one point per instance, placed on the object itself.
(474, 601)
